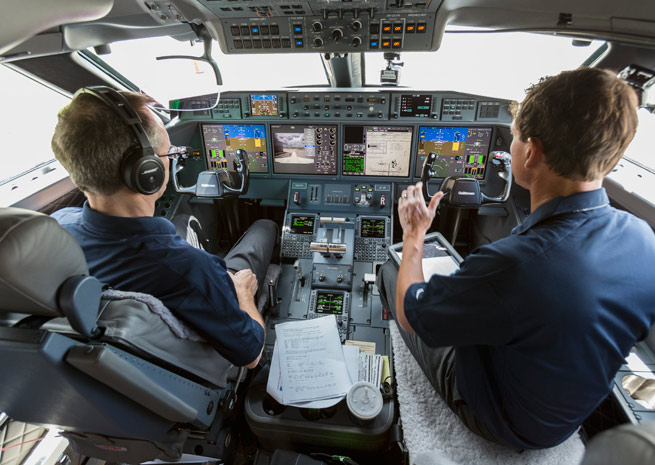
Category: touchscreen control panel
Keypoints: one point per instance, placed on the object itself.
(377, 150)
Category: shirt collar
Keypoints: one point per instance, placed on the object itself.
(576, 203)
(125, 226)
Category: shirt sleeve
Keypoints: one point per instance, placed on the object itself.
(462, 309)
(212, 308)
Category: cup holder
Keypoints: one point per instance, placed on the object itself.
(272, 407)
(313, 414)
(641, 390)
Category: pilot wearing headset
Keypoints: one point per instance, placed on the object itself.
(116, 151)
(524, 340)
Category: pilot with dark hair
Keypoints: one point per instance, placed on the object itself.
(129, 249)
(524, 340)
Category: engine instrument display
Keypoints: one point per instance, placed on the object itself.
(373, 227)
(301, 224)
(330, 303)
(377, 150)
(222, 140)
(415, 105)
(263, 105)
(461, 151)
(304, 149)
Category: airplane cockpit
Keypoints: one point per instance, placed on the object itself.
(316, 115)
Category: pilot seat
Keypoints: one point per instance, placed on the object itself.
(123, 379)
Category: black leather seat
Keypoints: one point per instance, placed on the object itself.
(113, 375)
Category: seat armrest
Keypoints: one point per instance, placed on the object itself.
(107, 367)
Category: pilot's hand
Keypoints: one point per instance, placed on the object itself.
(245, 282)
(415, 217)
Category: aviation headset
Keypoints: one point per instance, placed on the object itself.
(141, 169)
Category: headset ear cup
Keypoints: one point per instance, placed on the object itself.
(142, 173)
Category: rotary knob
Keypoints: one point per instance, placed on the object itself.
(337, 34)
(356, 25)
(357, 41)
(317, 26)
(318, 42)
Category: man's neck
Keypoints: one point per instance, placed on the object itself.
(546, 188)
(124, 203)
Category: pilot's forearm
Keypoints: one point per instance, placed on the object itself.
(410, 272)
(247, 304)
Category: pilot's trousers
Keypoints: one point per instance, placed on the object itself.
(438, 363)
(253, 251)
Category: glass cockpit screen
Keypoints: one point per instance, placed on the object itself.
(304, 149)
(377, 150)
(263, 105)
(329, 302)
(302, 224)
(222, 140)
(373, 227)
(461, 151)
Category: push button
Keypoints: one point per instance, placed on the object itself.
(264, 30)
(421, 27)
(374, 28)
(397, 43)
(235, 30)
(275, 29)
(245, 31)
(238, 44)
(410, 28)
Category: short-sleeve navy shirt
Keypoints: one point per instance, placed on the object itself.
(542, 319)
(145, 255)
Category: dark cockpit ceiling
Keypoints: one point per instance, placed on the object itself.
(306, 26)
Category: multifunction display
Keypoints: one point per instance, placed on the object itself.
(222, 140)
(301, 224)
(263, 105)
(377, 150)
(373, 227)
(304, 149)
(461, 151)
(416, 105)
(329, 302)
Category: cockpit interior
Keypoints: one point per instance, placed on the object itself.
(317, 115)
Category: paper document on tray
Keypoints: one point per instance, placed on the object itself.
(274, 384)
(312, 364)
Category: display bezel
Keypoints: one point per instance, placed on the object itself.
(319, 293)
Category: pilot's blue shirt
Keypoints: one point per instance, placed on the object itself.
(145, 255)
(542, 319)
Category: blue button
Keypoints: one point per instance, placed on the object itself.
(374, 44)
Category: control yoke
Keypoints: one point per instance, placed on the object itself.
(461, 192)
(216, 184)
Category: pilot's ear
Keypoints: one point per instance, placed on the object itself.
(535, 151)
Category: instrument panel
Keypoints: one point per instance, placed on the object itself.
(351, 134)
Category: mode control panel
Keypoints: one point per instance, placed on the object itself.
(346, 106)
(416, 106)
(330, 197)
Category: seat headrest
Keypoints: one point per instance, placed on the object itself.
(36, 256)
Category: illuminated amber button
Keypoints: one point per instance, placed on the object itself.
(386, 44)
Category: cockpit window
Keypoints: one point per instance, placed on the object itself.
(500, 64)
(171, 79)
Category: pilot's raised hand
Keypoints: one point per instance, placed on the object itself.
(415, 217)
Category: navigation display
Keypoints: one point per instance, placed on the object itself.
(222, 140)
(377, 150)
(373, 227)
(263, 105)
(461, 151)
(416, 105)
(304, 149)
(329, 302)
(301, 224)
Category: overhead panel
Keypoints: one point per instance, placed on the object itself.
(259, 26)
